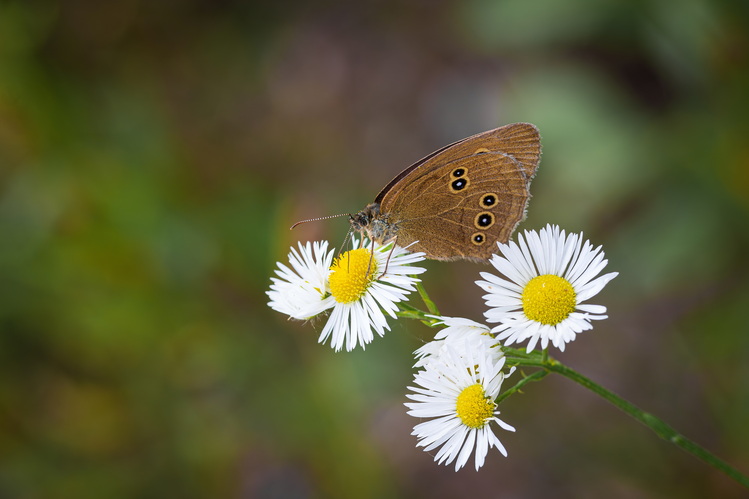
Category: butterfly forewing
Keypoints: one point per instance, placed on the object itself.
(459, 201)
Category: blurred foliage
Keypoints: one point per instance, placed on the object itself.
(153, 155)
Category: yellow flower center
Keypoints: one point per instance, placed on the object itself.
(548, 299)
(351, 275)
(474, 408)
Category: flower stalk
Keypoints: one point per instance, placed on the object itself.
(547, 364)
(657, 425)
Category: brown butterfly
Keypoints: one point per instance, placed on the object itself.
(460, 200)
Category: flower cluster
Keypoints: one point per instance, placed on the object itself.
(548, 278)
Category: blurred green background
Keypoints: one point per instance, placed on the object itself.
(154, 154)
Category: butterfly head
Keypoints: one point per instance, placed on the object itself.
(360, 221)
(373, 223)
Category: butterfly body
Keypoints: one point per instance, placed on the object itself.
(459, 201)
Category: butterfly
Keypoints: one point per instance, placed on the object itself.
(459, 201)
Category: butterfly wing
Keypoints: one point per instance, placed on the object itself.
(460, 200)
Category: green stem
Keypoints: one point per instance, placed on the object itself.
(660, 428)
(427, 301)
(408, 312)
(538, 375)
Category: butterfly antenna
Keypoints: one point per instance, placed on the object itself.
(319, 218)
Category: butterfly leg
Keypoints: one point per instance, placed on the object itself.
(394, 240)
(387, 262)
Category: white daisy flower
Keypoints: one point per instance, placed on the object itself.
(366, 284)
(457, 394)
(462, 335)
(301, 292)
(549, 277)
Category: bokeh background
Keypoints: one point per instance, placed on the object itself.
(154, 154)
